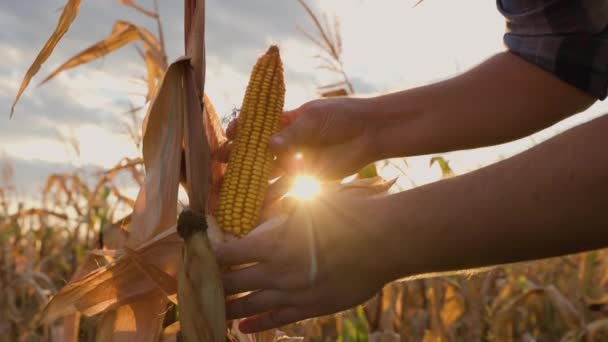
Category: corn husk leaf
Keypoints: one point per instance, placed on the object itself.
(194, 28)
(123, 33)
(70, 11)
(202, 312)
(137, 7)
(117, 284)
(566, 309)
(137, 322)
(71, 324)
(170, 333)
(384, 336)
(152, 235)
(156, 206)
(453, 307)
(202, 304)
(154, 74)
(197, 150)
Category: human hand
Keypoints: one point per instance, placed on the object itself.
(328, 256)
(335, 136)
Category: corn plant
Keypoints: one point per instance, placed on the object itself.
(126, 275)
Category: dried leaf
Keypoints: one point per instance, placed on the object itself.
(197, 150)
(508, 307)
(165, 282)
(156, 206)
(171, 332)
(70, 11)
(71, 324)
(195, 39)
(384, 336)
(154, 74)
(573, 317)
(122, 34)
(453, 307)
(118, 283)
(140, 321)
(595, 327)
(134, 5)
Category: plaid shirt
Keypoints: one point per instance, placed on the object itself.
(568, 38)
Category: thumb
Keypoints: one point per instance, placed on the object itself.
(302, 131)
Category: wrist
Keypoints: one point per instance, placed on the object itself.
(405, 231)
(399, 121)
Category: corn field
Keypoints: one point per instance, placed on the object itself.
(90, 263)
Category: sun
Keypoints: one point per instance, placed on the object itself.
(305, 188)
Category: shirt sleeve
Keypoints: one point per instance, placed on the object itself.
(565, 37)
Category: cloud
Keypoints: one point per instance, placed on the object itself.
(237, 31)
(97, 94)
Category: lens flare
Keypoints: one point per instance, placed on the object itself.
(305, 188)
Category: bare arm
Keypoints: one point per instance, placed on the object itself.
(502, 99)
(548, 201)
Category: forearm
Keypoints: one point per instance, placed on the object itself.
(502, 99)
(548, 201)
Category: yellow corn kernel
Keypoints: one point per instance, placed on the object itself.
(246, 179)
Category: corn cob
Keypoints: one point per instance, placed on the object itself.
(246, 179)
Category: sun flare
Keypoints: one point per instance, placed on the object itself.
(305, 188)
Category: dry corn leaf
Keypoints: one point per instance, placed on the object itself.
(573, 317)
(71, 324)
(140, 321)
(134, 5)
(200, 290)
(155, 244)
(506, 309)
(165, 282)
(105, 327)
(115, 235)
(384, 336)
(156, 204)
(154, 74)
(122, 34)
(595, 328)
(194, 28)
(197, 152)
(432, 336)
(171, 332)
(453, 307)
(70, 11)
(118, 283)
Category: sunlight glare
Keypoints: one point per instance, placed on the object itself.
(305, 188)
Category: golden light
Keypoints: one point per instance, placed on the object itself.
(305, 188)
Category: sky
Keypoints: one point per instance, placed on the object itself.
(388, 45)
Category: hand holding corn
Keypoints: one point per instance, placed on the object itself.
(343, 236)
(337, 135)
